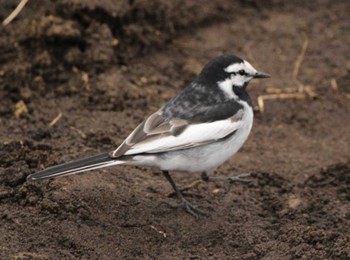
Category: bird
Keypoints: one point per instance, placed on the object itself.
(195, 131)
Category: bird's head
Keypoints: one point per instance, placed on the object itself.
(230, 73)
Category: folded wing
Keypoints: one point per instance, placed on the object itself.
(159, 134)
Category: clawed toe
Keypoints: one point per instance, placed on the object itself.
(239, 178)
(194, 211)
(186, 205)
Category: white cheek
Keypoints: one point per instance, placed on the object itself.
(235, 80)
(238, 80)
(226, 87)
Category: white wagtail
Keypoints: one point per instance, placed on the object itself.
(196, 131)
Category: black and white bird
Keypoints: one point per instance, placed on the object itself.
(196, 131)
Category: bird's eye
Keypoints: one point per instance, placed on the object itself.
(241, 72)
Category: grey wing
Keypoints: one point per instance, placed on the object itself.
(154, 127)
(160, 134)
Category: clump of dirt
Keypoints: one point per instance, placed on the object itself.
(77, 76)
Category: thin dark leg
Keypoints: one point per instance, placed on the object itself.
(184, 203)
(168, 177)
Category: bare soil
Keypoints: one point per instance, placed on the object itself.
(100, 67)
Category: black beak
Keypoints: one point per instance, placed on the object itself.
(261, 75)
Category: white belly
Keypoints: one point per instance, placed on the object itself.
(202, 158)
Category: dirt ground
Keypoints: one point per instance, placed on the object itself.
(77, 76)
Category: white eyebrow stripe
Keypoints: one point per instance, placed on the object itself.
(234, 67)
(249, 68)
(245, 65)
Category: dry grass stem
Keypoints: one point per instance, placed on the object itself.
(86, 81)
(297, 65)
(55, 120)
(301, 91)
(158, 231)
(21, 108)
(334, 84)
(15, 12)
(81, 133)
(261, 99)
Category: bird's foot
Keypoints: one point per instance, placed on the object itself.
(239, 178)
(231, 180)
(186, 205)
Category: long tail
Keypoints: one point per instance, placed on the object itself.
(81, 165)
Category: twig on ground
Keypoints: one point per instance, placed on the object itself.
(81, 133)
(158, 231)
(298, 92)
(334, 84)
(297, 66)
(21, 108)
(55, 120)
(15, 12)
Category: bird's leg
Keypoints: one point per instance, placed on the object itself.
(186, 188)
(230, 180)
(194, 211)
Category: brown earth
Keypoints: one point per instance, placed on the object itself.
(104, 65)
